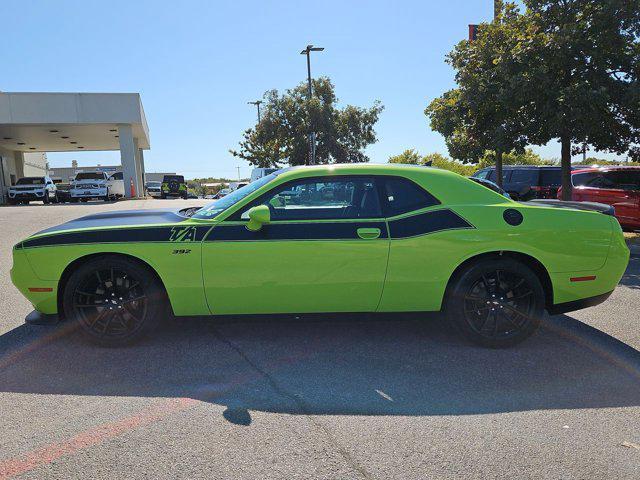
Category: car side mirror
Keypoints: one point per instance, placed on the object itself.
(258, 216)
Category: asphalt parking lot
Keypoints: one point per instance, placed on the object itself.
(318, 397)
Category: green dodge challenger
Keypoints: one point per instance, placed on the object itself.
(339, 238)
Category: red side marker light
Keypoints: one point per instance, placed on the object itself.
(583, 279)
(40, 289)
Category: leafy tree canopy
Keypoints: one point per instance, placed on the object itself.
(281, 137)
(562, 69)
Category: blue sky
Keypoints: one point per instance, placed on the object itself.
(197, 63)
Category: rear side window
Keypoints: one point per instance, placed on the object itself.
(117, 176)
(401, 195)
(623, 179)
(482, 174)
(550, 177)
(173, 178)
(528, 176)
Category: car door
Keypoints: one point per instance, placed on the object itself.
(116, 184)
(324, 250)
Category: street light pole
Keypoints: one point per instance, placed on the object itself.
(257, 104)
(312, 135)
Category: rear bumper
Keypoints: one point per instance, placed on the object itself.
(574, 305)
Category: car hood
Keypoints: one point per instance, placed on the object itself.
(123, 218)
(27, 185)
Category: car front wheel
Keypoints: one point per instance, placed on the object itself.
(496, 302)
(113, 300)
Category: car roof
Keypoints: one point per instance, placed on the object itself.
(447, 186)
(522, 167)
(606, 168)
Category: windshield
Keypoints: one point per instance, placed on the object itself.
(90, 176)
(31, 181)
(154, 184)
(173, 178)
(223, 203)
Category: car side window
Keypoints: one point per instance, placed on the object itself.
(401, 195)
(482, 174)
(622, 180)
(526, 175)
(587, 179)
(322, 198)
(117, 176)
(506, 174)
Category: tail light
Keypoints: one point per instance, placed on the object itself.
(543, 192)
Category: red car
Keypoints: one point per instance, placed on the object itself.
(615, 186)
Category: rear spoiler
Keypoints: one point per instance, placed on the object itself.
(588, 206)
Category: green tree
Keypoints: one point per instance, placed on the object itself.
(528, 157)
(437, 160)
(281, 137)
(408, 157)
(582, 81)
(482, 113)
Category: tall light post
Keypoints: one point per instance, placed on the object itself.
(257, 104)
(312, 135)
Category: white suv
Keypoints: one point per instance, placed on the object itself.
(32, 188)
(88, 185)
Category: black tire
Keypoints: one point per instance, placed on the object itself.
(133, 298)
(163, 196)
(495, 302)
(13, 201)
(74, 199)
(45, 199)
(106, 198)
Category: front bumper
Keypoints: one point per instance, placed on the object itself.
(154, 193)
(26, 195)
(43, 294)
(88, 192)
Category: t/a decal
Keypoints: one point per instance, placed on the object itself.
(183, 234)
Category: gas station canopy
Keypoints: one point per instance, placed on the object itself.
(73, 122)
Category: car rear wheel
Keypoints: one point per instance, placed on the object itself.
(114, 301)
(496, 302)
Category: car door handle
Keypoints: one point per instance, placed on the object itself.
(369, 233)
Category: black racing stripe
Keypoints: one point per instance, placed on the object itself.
(125, 218)
(294, 231)
(124, 235)
(426, 223)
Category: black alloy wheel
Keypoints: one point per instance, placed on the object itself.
(496, 303)
(114, 300)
